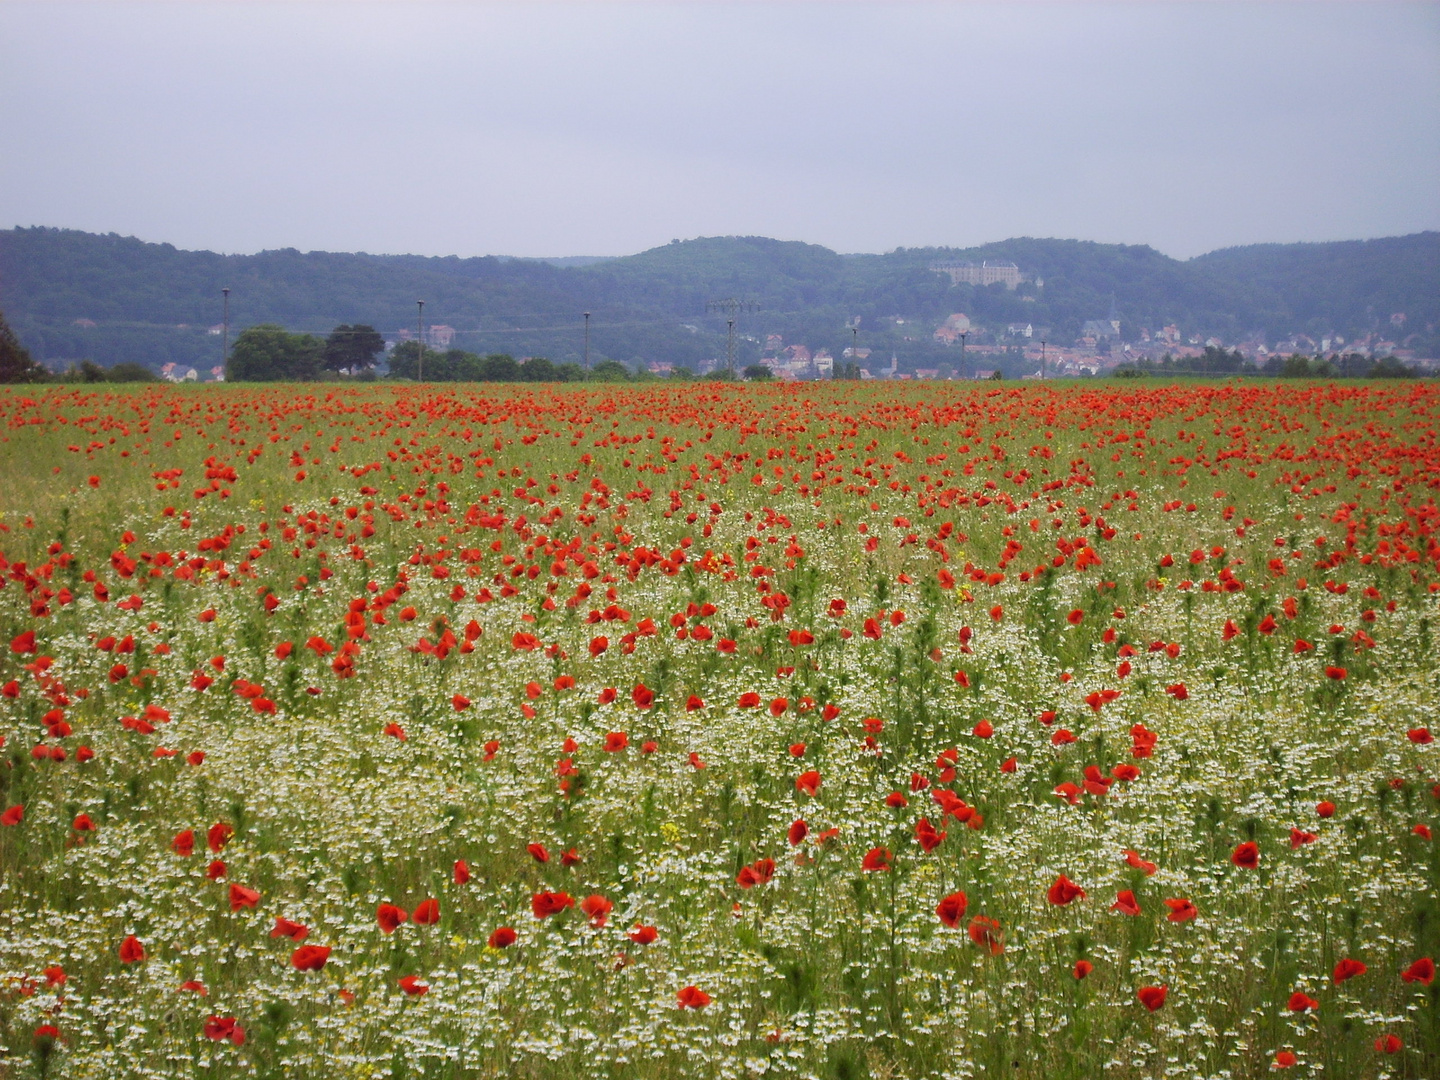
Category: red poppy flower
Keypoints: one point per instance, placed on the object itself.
(13, 816)
(1284, 1059)
(1082, 968)
(54, 975)
(131, 951)
(242, 897)
(1181, 910)
(1178, 691)
(1325, 809)
(616, 741)
(1348, 969)
(983, 730)
(1336, 673)
(951, 909)
(748, 700)
(427, 913)
(412, 985)
(692, 997)
(1061, 737)
(1389, 1044)
(184, 843)
(1063, 891)
(293, 930)
(808, 782)
(545, 904)
(221, 1028)
(460, 702)
(1420, 736)
(462, 872)
(643, 935)
(569, 858)
(389, 916)
(1246, 855)
(985, 932)
(502, 938)
(310, 957)
(797, 832)
(194, 987)
(1125, 903)
(1152, 997)
(1300, 1002)
(693, 703)
(219, 835)
(927, 836)
(597, 908)
(876, 859)
(1421, 971)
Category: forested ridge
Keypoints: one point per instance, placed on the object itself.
(154, 303)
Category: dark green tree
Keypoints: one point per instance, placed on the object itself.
(610, 371)
(16, 366)
(268, 353)
(758, 373)
(352, 348)
(498, 367)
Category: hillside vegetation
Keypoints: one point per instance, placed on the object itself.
(154, 303)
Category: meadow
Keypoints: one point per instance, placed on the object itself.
(712, 730)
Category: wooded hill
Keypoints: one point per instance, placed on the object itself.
(153, 303)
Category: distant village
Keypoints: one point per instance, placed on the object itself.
(975, 351)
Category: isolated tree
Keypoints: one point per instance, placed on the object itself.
(758, 373)
(268, 353)
(352, 348)
(16, 365)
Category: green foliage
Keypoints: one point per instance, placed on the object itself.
(110, 298)
(16, 366)
(758, 373)
(456, 365)
(352, 348)
(267, 353)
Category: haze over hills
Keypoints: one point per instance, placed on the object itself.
(72, 295)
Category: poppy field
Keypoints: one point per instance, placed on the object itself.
(714, 730)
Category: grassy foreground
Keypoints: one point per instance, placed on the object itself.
(733, 731)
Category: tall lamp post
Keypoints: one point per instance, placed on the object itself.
(587, 341)
(420, 341)
(225, 320)
(962, 355)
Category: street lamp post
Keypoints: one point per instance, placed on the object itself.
(420, 341)
(587, 341)
(225, 340)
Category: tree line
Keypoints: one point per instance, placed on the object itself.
(1220, 361)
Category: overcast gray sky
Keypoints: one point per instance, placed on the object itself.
(608, 128)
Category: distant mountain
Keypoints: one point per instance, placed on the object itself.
(72, 295)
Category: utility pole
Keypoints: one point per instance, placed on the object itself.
(1042, 358)
(225, 341)
(963, 336)
(731, 306)
(420, 342)
(587, 341)
(855, 350)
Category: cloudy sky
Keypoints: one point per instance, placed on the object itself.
(606, 128)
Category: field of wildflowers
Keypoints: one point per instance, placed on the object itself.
(833, 731)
